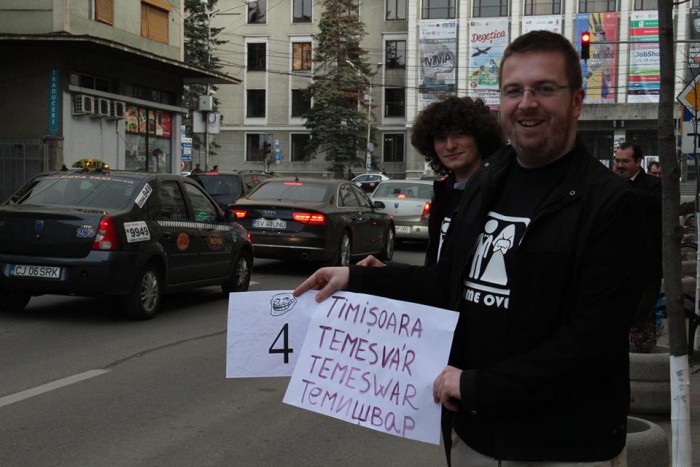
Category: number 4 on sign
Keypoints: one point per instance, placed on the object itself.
(284, 333)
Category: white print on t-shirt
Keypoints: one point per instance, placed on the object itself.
(443, 232)
(487, 281)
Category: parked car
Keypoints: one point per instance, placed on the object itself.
(226, 188)
(408, 203)
(315, 220)
(128, 235)
(368, 182)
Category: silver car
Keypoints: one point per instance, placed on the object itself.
(408, 202)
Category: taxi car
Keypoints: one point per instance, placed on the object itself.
(369, 181)
(313, 219)
(129, 235)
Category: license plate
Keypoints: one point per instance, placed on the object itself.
(270, 223)
(44, 272)
(403, 229)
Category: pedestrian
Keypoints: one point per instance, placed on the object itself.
(454, 135)
(197, 168)
(538, 372)
(628, 165)
(216, 169)
(654, 168)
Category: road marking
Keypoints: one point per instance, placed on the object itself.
(28, 393)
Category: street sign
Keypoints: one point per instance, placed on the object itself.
(690, 96)
(689, 138)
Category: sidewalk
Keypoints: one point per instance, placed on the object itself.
(664, 421)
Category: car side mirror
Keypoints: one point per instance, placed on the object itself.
(379, 205)
(229, 216)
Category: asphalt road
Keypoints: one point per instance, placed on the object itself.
(80, 386)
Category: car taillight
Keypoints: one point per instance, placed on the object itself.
(426, 211)
(309, 218)
(239, 213)
(106, 238)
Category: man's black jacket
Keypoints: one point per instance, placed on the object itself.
(554, 382)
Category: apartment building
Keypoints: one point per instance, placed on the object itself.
(92, 78)
(428, 47)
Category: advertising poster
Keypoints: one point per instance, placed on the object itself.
(488, 39)
(643, 82)
(599, 71)
(551, 23)
(693, 48)
(438, 60)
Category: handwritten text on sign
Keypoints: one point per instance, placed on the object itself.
(372, 361)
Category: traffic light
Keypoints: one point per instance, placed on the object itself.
(267, 148)
(585, 45)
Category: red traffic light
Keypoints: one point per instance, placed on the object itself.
(585, 45)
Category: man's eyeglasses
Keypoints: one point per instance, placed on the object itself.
(543, 90)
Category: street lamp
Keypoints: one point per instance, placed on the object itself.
(210, 15)
(368, 157)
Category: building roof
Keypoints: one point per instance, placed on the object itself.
(190, 74)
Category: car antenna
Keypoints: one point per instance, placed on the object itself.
(296, 178)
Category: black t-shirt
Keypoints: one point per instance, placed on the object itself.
(487, 282)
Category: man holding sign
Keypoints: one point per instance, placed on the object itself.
(539, 371)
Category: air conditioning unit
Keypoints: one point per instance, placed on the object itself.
(103, 108)
(83, 105)
(118, 110)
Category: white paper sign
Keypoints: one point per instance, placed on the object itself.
(265, 332)
(371, 361)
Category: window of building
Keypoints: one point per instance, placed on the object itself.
(154, 19)
(395, 10)
(542, 7)
(395, 102)
(301, 56)
(438, 9)
(257, 12)
(301, 102)
(596, 6)
(257, 60)
(256, 103)
(646, 4)
(393, 147)
(299, 142)
(301, 11)
(354, 9)
(255, 146)
(103, 11)
(490, 8)
(395, 54)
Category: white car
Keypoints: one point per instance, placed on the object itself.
(408, 202)
(368, 182)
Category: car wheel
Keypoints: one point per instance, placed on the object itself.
(240, 275)
(342, 258)
(388, 251)
(143, 302)
(12, 301)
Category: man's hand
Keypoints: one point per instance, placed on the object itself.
(326, 281)
(446, 388)
(371, 261)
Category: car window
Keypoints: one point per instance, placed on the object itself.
(103, 192)
(172, 204)
(290, 191)
(362, 197)
(204, 210)
(347, 198)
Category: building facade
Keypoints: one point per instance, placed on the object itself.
(427, 48)
(92, 79)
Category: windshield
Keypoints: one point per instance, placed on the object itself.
(101, 192)
(290, 191)
(228, 186)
